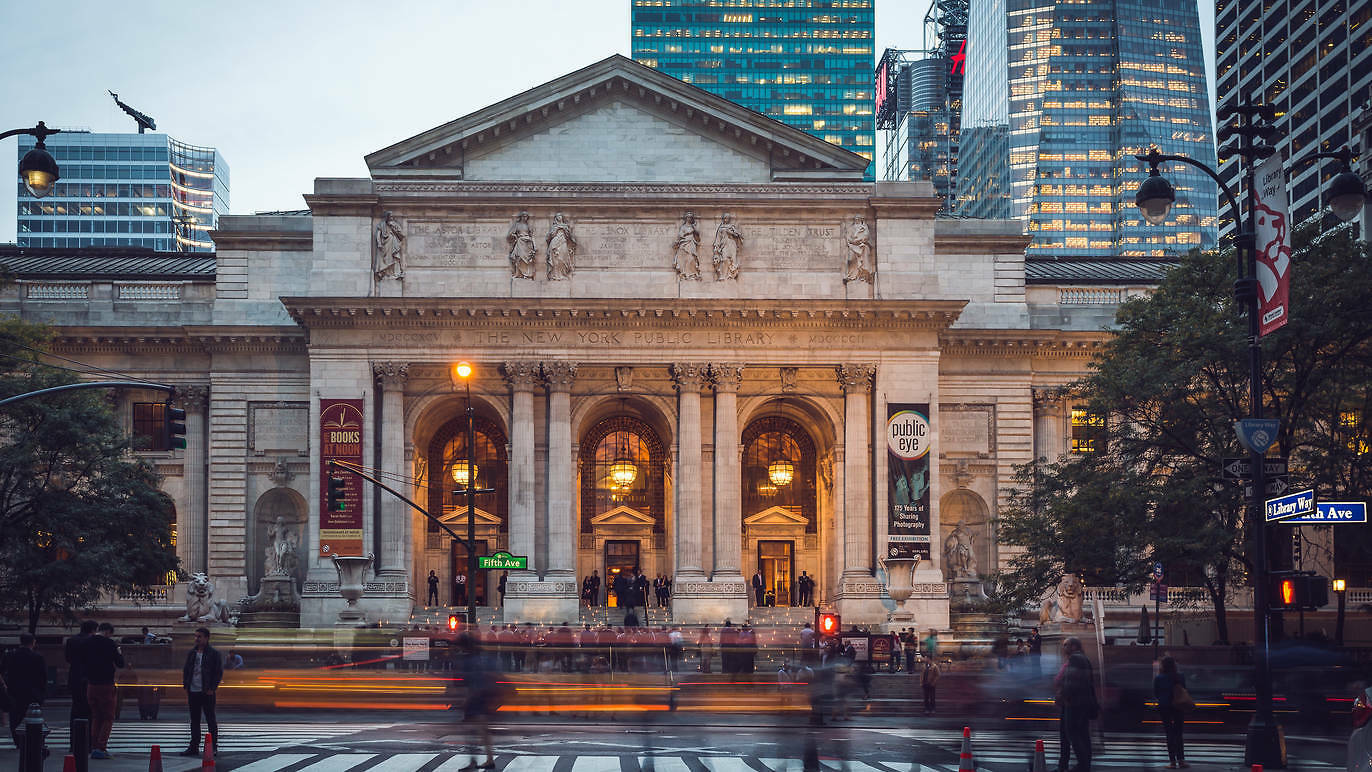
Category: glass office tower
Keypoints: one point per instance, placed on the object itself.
(145, 190)
(1060, 96)
(806, 63)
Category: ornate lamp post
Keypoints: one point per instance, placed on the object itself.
(1345, 196)
(37, 168)
(462, 371)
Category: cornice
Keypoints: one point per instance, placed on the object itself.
(409, 313)
(261, 241)
(184, 340)
(775, 192)
(981, 243)
(1039, 343)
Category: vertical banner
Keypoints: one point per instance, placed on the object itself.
(340, 439)
(1273, 244)
(909, 436)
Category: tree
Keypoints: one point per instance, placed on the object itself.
(79, 514)
(1171, 382)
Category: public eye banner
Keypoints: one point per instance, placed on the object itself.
(340, 439)
(909, 437)
(1273, 243)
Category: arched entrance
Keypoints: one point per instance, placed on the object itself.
(780, 507)
(623, 465)
(450, 470)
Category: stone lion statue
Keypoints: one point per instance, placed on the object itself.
(201, 605)
(1068, 607)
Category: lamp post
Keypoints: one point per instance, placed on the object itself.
(1251, 136)
(463, 372)
(1341, 590)
(37, 168)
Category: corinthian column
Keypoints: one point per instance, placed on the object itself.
(395, 516)
(688, 378)
(856, 381)
(561, 531)
(523, 378)
(728, 501)
(192, 524)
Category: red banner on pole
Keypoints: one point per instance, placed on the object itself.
(340, 439)
(1273, 243)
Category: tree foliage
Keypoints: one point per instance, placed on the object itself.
(1171, 382)
(80, 515)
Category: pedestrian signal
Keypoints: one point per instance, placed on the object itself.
(1299, 591)
(452, 623)
(829, 624)
(336, 502)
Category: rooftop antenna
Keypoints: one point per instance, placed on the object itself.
(144, 121)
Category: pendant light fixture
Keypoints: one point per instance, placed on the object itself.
(623, 471)
(781, 471)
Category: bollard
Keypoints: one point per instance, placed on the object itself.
(31, 749)
(1257, 768)
(81, 743)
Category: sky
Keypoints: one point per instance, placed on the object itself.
(297, 89)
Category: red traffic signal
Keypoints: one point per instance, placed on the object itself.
(829, 624)
(1299, 591)
(452, 623)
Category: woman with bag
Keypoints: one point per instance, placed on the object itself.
(1169, 687)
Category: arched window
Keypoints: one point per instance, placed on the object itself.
(622, 465)
(779, 469)
(448, 451)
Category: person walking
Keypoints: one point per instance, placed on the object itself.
(623, 588)
(26, 678)
(1165, 685)
(640, 592)
(76, 673)
(759, 588)
(101, 658)
(1035, 651)
(928, 683)
(481, 684)
(200, 677)
(705, 648)
(1077, 705)
(433, 589)
(500, 587)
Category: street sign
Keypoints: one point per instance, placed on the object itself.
(1257, 434)
(416, 649)
(1331, 512)
(1157, 592)
(502, 560)
(1297, 503)
(1242, 468)
(1276, 486)
(1157, 571)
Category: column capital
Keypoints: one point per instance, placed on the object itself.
(391, 375)
(559, 375)
(1050, 399)
(856, 377)
(689, 376)
(193, 397)
(521, 376)
(726, 376)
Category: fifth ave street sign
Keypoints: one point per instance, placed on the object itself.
(1329, 512)
(1297, 503)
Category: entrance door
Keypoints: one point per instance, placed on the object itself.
(776, 560)
(476, 584)
(621, 557)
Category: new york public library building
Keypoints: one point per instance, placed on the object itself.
(702, 345)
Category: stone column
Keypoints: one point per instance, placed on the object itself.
(395, 514)
(727, 478)
(856, 381)
(688, 378)
(561, 531)
(192, 523)
(522, 378)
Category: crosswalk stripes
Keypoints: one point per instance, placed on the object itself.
(137, 737)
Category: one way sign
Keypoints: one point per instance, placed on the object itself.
(1242, 468)
(1276, 486)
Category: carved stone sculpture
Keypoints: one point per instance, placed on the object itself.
(1069, 604)
(687, 249)
(728, 242)
(283, 550)
(523, 248)
(201, 605)
(390, 248)
(958, 556)
(859, 237)
(561, 248)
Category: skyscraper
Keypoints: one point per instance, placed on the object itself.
(1312, 61)
(806, 63)
(145, 190)
(1059, 98)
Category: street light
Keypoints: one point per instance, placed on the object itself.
(37, 168)
(1340, 589)
(462, 372)
(1251, 136)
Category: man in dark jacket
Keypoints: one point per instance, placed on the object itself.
(200, 677)
(26, 676)
(624, 590)
(641, 592)
(101, 658)
(1077, 706)
(76, 672)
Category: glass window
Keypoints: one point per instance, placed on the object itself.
(1088, 431)
(148, 421)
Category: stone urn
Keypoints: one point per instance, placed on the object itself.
(900, 584)
(352, 578)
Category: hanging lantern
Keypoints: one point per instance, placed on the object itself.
(781, 472)
(463, 472)
(623, 471)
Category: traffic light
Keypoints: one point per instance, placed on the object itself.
(1299, 591)
(452, 623)
(336, 503)
(173, 427)
(828, 624)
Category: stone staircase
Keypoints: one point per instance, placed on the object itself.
(781, 617)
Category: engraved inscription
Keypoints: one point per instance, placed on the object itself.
(279, 427)
(965, 431)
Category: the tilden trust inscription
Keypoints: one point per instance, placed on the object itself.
(609, 337)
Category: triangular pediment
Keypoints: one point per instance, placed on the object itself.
(616, 120)
(458, 516)
(775, 516)
(623, 515)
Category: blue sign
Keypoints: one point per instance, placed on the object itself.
(1257, 434)
(1291, 505)
(1330, 512)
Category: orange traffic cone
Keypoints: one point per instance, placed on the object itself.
(1257, 768)
(155, 759)
(69, 763)
(965, 763)
(1040, 763)
(207, 760)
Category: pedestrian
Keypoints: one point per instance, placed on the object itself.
(26, 678)
(704, 649)
(928, 683)
(807, 636)
(479, 678)
(101, 658)
(1035, 651)
(623, 588)
(76, 674)
(641, 592)
(500, 587)
(759, 588)
(931, 645)
(148, 638)
(200, 677)
(234, 661)
(460, 594)
(666, 591)
(1171, 713)
(433, 588)
(595, 587)
(1075, 689)
(910, 643)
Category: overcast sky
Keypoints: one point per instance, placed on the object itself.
(293, 90)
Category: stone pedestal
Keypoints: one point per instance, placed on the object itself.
(550, 601)
(1054, 633)
(701, 602)
(276, 604)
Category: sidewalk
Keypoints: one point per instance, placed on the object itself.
(123, 762)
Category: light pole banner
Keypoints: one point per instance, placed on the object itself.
(1273, 244)
(340, 439)
(909, 437)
